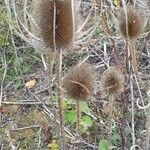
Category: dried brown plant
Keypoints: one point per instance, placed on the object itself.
(54, 19)
(79, 85)
(79, 82)
(112, 81)
(131, 25)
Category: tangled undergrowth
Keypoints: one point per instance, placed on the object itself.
(74, 74)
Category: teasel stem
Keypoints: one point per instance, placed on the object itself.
(130, 72)
(134, 56)
(122, 134)
(122, 122)
(132, 110)
(148, 127)
(50, 61)
(49, 71)
(78, 117)
(131, 69)
(111, 106)
(127, 50)
(60, 99)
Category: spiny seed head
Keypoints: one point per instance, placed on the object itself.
(133, 25)
(112, 81)
(79, 82)
(55, 22)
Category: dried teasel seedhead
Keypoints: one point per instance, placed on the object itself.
(112, 81)
(79, 83)
(132, 25)
(55, 22)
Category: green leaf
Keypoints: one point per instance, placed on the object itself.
(70, 116)
(86, 122)
(18, 83)
(104, 145)
(26, 68)
(84, 107)
(115, 139)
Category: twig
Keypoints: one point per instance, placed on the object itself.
(25, 128)
(24, 103)
(2, 82)
(136, 80)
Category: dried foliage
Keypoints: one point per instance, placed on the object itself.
(112, 81)
(132, 25)
(55, 22)
(79, 83)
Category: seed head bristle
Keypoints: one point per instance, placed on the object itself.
(55, 21)
(133, 26)
(112, 81)
(79, 83)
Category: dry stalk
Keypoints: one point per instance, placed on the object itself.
(129, 70)
(132, 111)
(78, 117)
(148, 122)
(60, 98)
(111, 115)
(134, 57)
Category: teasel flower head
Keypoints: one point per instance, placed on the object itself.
(131, 23)
(79, 83)
(55, 22)
(112, 81)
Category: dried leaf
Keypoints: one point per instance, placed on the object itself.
(30, 84)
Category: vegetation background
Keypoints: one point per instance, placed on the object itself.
(26, 113)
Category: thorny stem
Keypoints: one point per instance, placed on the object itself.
(122, 122)
(134, 57)
(148, 132)
(49, 70)
(126, 54)
(60, 99)
(78, 117)
(148, 126)
(111, 107)
(132, 111)
(122, 132)
(59, 82)
(50, 58)
(130, 72)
